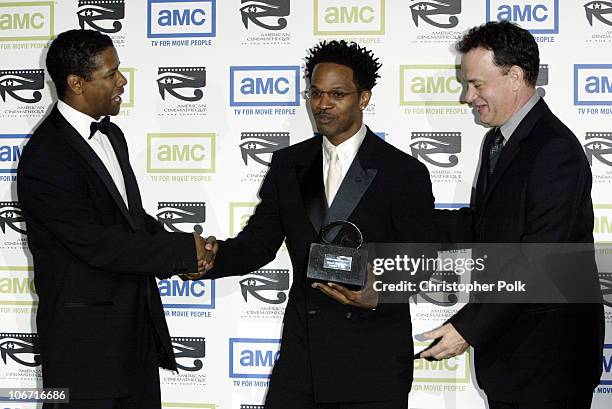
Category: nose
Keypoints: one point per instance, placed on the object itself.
(470, 95)
(325, 102)
(121, 80)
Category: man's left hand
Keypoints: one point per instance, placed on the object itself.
(451, 344)
(365, 298)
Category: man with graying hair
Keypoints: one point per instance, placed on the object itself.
(534, 186)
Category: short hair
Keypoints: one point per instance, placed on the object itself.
(365, 67)
(511, 45)
(75, 52)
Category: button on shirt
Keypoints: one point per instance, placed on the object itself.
(347, 151)
(99, 143)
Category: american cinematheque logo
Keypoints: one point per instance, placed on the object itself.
(174, 214)
(266, 282)
(251, 406)
(598, 146)
(259, 146)
(267, 14)
(91, 12)
(188, 352)
(11, 217)
(172, 79)
(428, 11)
(600, 10)
(542, 80)
(20, 348)
(17, 83)
(432, 145)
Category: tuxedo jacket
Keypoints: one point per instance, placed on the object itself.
(540, 192)
(353, 354)
(95, 262)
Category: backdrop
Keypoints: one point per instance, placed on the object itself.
(215, 86)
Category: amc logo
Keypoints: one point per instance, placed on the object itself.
(11, 146)
(453, 370)
(537, 16)
(252, 357)
(240, 212)
(602, 229)
(127, 99)
(427, 85)
(352, 17)
(17, 286)
(592, 84)
(265, 86)
(606, 359)
(26, 21)
(198, 294)
(187, 18)
(181, 153)
(349, 17)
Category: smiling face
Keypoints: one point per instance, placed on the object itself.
(101, 94)
(494, 93)
(337, 118)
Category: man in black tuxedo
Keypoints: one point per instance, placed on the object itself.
(101, 326)
(336, 351)
(534, 186)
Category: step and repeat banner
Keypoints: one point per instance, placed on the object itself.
(214, 87)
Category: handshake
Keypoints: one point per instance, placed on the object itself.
(206, 250)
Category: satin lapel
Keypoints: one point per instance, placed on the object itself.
(309, 174)
(77, 142)
(481, 183)
(131, 185)
(350, 192)
(355, 183)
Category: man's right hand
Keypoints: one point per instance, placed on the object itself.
(206, 251)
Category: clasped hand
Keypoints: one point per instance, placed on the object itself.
(206, 250)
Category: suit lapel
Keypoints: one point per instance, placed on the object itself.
(509, 152)
(131, 185)
(354, 185)
(77, 142)
(309, 172)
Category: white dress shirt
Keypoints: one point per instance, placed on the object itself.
(347, 151)
(99, 143)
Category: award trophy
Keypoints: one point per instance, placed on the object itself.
(344, 263)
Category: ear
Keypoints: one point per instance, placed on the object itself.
(75, 83)
(364, 98)
(517, 75)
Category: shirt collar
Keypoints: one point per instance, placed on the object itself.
(77, 119)
(511, 124)
(347, 150)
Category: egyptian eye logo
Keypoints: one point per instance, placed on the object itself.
(266, 280)
(11, 216)
(598, 149)
(542, 79)
(424, 9)
(268, 10)
(169, 79)
(19, 350)
(92, 11)
(259, 146)
(598, 9)
(425, 144)
(605, 281)
(171, 214)
(21, 80)
(187, 348)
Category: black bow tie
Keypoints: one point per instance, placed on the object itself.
(102, 126)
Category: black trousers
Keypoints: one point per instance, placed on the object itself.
(146, 392)
(582, 401)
